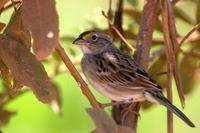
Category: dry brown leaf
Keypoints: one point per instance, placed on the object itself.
(41, 18)
(2, 3)
(5, 74)
(170, 46)
(5, 116)
(16, 30)
(2, 25)
(25, 68)
(189, 73)
(105, 124)
(56, 100)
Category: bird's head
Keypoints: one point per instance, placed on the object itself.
(93, 41)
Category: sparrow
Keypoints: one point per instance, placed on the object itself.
(118, 76)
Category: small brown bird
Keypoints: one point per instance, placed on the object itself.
(116, 75)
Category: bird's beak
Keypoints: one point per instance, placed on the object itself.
(78, 41)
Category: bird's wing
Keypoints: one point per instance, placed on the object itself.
(118, 70)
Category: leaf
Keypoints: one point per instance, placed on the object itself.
(16, 30)
(25, 68)
(5, 116)
(105, 124)
(2, 25)
(5, 74)
(43, 23)
(2, 3)
(170, 45)
(56, 101)
(189, 73)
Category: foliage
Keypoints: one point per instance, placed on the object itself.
(20, 68)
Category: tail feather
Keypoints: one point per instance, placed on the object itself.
(164, 101)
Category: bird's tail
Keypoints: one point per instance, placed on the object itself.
(159, 97)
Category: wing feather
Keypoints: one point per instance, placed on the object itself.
(119, 70)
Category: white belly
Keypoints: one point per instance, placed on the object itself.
(115, 94)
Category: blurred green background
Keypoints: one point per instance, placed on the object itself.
(34, 117)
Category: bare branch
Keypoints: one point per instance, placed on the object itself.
(78, 78)
(144, 38)
(196, 27)
(169, 55)
(118, 33)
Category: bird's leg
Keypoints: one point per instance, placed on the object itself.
(104, 105)
(128, 110)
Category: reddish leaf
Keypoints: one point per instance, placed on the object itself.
(5, 116)
(40, 17)
(2, 25)
(16, 30)
(2, 3)
(5, 75)
(25, 68)
(56, 101)
(105, 124)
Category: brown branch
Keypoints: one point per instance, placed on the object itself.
(170, 98)
(78, 78)
(110, 13)
(118, 33)
(118, 16)
(169, 55)
(196, 27)
(186, 39)
(144, 40)
(175, 46)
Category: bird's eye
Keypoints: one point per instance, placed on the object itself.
(94, 37)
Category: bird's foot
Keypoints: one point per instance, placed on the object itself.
(115, 103)
(128, 110)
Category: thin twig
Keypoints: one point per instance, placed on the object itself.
(186, 39)
(196, 27)
(118, 33)
(110, 13)
(78, 78)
